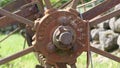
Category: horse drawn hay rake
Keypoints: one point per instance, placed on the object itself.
(59, 34)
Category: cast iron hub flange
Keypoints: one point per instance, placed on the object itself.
(61, 36)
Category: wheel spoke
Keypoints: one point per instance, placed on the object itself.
(103, 18)
(48, 4)
(17, 55)
(108, 4)
(16, 17)
(74, 4)
(106, 54)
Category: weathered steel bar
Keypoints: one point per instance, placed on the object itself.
(12, 6)
(108, 4)
(74, 4)
(17, 55)
(16, 17)
(106, 54)
(28, 4)
(103, 18)
(48, 4)
(26, 12)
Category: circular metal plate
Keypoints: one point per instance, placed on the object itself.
(46, 28)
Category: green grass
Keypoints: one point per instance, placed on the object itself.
(15, 44)
(12, 45)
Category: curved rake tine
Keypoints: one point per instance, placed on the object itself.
(103, 18)
(106, 54)
(48, 4)
(17, 55)
(16, 17)
(10, 34)
(74, 4)
(108, 4)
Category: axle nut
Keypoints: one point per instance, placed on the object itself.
(65, 38)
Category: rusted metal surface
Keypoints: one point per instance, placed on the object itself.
(17, 55)
(104, 17)
(12, 6)
(61, 65)
(108, 4)
(16, 17)
(48, 4)
(47, 29)
(27, 13)
(74, 4)
(106, 54)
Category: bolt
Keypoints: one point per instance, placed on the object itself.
(51, 48)
(65, 38)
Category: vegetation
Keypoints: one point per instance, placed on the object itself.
(12, 45)
(3, 2)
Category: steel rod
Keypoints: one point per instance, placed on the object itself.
(48, 4)
(14, 5)
(108, 4)
(16, 17)
(106, 54)
(24, 13)
(17, 55)
(103, 18)
(28, 4)
(74, 4)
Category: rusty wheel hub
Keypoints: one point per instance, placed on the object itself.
(61, 36)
